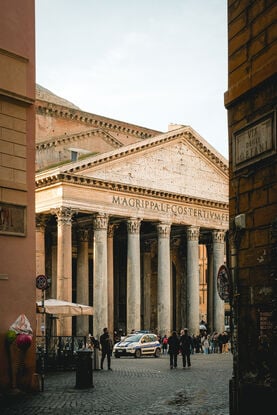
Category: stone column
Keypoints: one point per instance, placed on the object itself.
(210, 287)
(176, 282)
(40, 266)
(218, 260)
(100, 274)
(111, 229)
(82, 322)
(147, 286)
(164, 295)
(54, 255)
(133, 275)
(193, 279)
(64, 264)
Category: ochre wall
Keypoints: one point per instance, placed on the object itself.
(17, 172)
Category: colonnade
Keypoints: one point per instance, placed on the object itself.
(103, 281)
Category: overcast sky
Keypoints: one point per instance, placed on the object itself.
(146, 62)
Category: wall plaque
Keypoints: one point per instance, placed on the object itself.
(12, 219)
(254, 142)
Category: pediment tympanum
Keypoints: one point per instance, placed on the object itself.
(173, 166)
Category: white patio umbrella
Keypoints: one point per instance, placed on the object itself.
(64, 308)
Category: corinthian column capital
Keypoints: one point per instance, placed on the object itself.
(111, 228)
(133, 225)
(41, 220)
(193, 233)
(164, 229)
(83, 235)
(218, 236)
(64, 215)
(100, 222)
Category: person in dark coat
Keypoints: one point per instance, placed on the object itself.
(186, 345)
(173, 349)
(106, 347)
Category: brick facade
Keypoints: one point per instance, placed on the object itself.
(251, 104)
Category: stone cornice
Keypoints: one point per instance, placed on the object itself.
(71, 138)
(23, 99)
(93, 120)
(120, 187)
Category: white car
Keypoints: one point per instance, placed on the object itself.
(137, 345)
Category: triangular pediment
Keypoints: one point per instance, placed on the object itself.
(179, 162)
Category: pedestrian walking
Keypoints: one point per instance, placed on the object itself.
(206, 344)
(164, 344)
(106, 345)
(94, 345)
(214, 342)
(173, 349)
(225, 341)
(186, 347)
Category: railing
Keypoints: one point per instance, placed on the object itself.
(58, 352)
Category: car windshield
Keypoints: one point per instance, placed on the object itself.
(133, 338)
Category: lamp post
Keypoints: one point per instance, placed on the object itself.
(42, 284)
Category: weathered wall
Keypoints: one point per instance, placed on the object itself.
(180, 169)
(251, 104)
(60, 129)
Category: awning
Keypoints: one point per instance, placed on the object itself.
(64, 308)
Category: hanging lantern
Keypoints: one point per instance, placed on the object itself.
(23, 341)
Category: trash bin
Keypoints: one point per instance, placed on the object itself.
(84, 369)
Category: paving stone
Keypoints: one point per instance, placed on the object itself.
(134, 386)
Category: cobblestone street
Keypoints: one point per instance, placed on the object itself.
(134, 386)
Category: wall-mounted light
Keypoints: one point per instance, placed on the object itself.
(240, 221)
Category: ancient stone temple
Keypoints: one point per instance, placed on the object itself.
(122, 212)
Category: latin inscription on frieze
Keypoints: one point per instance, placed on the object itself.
(254, 143)
(174, 210)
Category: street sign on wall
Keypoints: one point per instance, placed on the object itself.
(41, 282)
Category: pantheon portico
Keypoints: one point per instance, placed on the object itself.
(120, 228)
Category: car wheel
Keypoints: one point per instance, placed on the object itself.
(116, 355)
(157, 352)
(138, 353)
